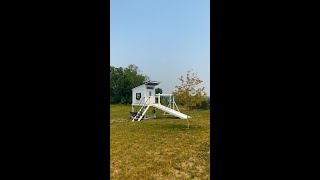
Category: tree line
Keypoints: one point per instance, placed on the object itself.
(123, 80)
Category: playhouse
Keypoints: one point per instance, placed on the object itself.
(144, 97)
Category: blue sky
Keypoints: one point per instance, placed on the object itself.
(164, 38)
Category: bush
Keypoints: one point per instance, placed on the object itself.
(188, 94)
(204, 105)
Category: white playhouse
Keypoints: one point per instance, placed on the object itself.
(144, 97)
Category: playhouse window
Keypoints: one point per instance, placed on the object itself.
(138, 96)
(149, 87)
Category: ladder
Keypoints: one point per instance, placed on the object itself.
(142, 111)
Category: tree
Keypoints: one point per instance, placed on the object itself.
(116, 75)
(187, 94)
(122, 80)
(158, 90)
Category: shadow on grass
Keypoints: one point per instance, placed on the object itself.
(183, 125)
(167, 117)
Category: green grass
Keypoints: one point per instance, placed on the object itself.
(161, 148)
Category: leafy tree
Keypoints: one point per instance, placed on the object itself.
(122, 80)
(187, 94)
(158, 90)
(116, 75)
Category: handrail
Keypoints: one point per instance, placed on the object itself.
(165, 94)
(146, 101)
(140, 101)
(145, 109)
(141, 108)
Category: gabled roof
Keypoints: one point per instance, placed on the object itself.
(149, 83)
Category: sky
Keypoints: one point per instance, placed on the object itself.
(164, 38)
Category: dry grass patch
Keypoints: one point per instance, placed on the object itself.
(159, 148)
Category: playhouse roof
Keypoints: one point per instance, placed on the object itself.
(149, 83)
(152, 83)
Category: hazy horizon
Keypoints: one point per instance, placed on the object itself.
(164, 39)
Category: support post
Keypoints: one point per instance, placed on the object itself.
(173, 102)
(188, 121)
(154, 112)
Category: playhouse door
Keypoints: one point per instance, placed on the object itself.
(151, 95)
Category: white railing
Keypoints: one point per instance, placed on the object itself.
(172, 104)
(158, 96)
(164, 94)
(152, 99)
(141, 101)
(138, 113)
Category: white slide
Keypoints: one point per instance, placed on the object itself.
(171, 111)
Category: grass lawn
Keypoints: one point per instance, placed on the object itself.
(161, 148)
